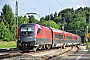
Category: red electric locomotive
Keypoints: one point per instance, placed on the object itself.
(34, 36)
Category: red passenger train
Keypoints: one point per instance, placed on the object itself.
(33, 36)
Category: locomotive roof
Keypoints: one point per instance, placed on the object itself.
(56, 30)
(53, 29)
(27, 24)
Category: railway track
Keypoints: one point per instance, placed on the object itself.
(9, 55)
(39, 55)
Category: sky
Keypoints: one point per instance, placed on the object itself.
(43, 7)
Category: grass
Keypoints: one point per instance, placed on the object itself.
(87, 44)
(11, 44)
(89, 47)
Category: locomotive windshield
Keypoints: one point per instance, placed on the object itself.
(27, 30)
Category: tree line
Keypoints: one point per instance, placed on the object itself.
(75, 21)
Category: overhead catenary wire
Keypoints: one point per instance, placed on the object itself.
(13, 5)
(7, 2)
(26, 5)
(32, 8)
(70, 11)
(66, 3)
(40, 12)
(23, 8)
(63, 6)
(60, 3)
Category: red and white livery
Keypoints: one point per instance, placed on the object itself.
(34, 36)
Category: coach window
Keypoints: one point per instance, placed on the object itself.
(68, 37)
(75, 38)
(38, 31)
(57, 36)
(61, 36)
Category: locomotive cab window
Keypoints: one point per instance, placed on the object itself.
(38, 31)
(27, 30)
(23, 30)
(30, 30)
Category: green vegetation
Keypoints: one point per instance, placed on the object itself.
(89, 43)
(7, 24)
(87, 46)
(75, 22)
(11, 44)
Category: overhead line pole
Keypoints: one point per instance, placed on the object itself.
(63, 21)
(87, 22)
(16, 16)
(49, 17)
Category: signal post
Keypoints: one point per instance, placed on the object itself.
(63, 22)
(87, 22)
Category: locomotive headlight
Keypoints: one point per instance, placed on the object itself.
(21, 41)
(26, 44)
(19, 44)
(34, 38)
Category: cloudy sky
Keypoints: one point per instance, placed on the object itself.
(43, 7)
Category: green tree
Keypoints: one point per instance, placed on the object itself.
(47, 17)
(54, 25)
(55, 14)
(22, 20)
(7, 17)
(50, 23)
(51, 16)
(32, 19)
(57, 19)
(5, 34)
(42, 18)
